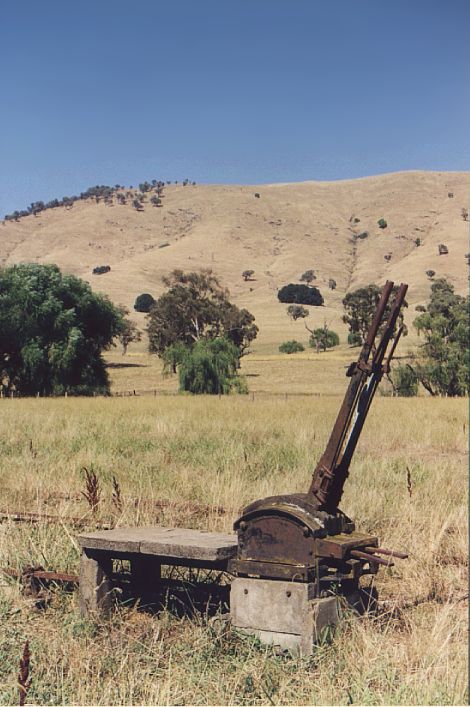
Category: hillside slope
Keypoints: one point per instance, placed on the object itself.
(288, 229)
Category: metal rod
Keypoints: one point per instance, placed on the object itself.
(332, 470)
(371, 558)
(384, 551)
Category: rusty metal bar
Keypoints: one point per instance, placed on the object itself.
(42, 574)
(327, 476)
(44, 517)
(384, 551)
(371, 558)
(367, 394)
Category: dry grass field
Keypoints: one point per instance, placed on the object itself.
(199, 455)
(408, 484)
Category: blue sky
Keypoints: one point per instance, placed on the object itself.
(107, 91)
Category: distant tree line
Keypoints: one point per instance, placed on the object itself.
(100, 193)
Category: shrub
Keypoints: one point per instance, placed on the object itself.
(144, 302)
(363, 235)
(290, 347)
(332, 284)
(354, 338)
(405, 382)
(382, 223)
(417, 241)
(247, 274)
(300, 294)
(430, 273)
(443, 249)
(101, 269)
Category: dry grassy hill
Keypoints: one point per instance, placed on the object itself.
(288, 229)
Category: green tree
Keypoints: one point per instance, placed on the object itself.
(290, 347)
(53, 330)
(300, 294)
(442, 364)
(308, 276)
(360, 307)
(197, 307)
(129, 332)
(144, 302)
(404, 381)
(296, 311)
(323, 338)
(210, 367)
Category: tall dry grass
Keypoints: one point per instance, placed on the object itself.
(408, 484)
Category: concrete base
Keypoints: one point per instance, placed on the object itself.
(284, 614)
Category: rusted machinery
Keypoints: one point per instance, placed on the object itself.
(305, 537)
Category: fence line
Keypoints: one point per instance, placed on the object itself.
(154, 392)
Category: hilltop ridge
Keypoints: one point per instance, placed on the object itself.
(279, 234)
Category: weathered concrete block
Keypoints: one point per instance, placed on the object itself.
(95, 585)
(281, 613)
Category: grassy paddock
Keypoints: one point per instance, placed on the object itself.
(226, 452)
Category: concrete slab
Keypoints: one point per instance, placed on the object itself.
(176, 543)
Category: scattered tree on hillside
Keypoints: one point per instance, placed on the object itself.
(323, 338)
(247, 274)
(155, 201)
(101, 269)
(300, 294)
(137, 205)
(464, 213)
(290, 347)
(197, 307)
(296, 311)
(144, 302)
(417, 242)
(360, 307)
(443, 249)
(364, 234)
(430, 273)
(442, 364)
(53, 331)
(308, 276)
(129, 332)
(382, 223)
(332, 284)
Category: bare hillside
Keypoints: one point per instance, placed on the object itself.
(287, 229)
